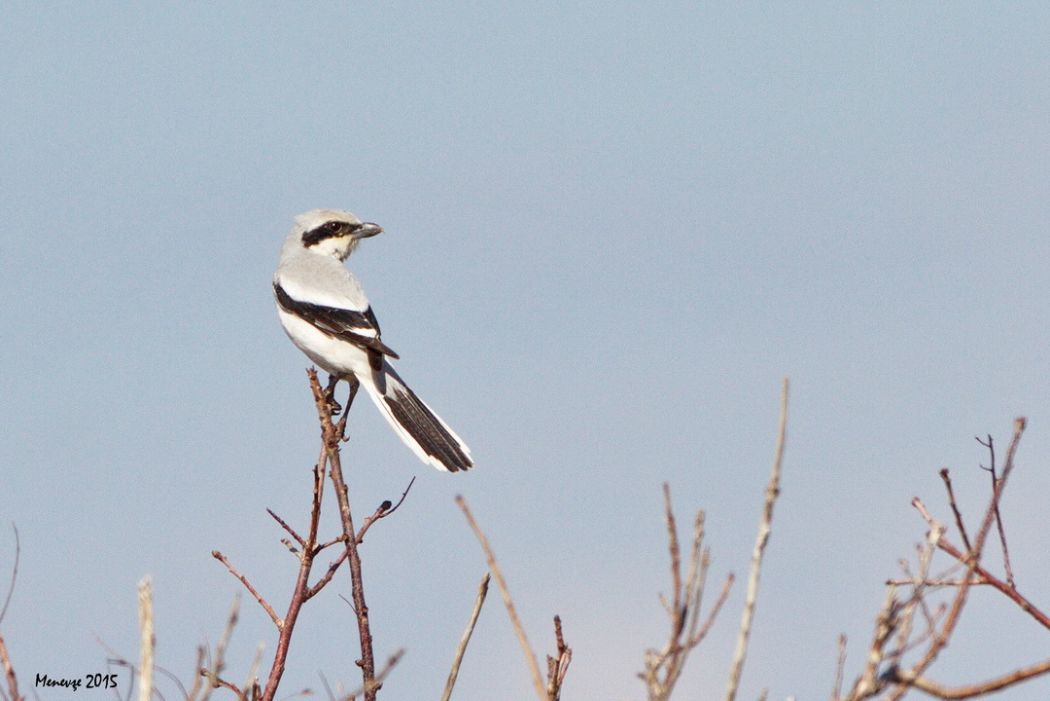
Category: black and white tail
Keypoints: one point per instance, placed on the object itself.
(419, 427)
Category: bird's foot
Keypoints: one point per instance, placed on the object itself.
(329, 396)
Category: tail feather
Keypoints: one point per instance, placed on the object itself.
(418, 426)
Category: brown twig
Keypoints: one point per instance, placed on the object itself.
(327, 576)
(764, 529)
(998, 516)
(955, 509)
(972, 690)
(981, 576)
(376, 682)
(868, 684)
(285, 526)
(461, 649)
(218, 681)
(331, 436)
(490, 556)
(384, 510)
(663, 667)
(251, 589)
(941, 637)
(557, 665)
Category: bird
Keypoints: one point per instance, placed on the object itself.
(325, 312)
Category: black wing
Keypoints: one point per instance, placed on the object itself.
(344, 324)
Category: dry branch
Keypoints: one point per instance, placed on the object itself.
(461, 649)
(557, 665)
(885, 671)
(764, 529)
(490, 556)
(663, 667)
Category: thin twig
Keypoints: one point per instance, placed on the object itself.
(663, 667)
(327, 576)
(218, 681)
(972, 562)
(461, 649)
(218, 661)
(490, 556)
(384, 510)
(195, 689)
(840, 666)
(251, 589)
(955, 509)
(251, 684)
(981, 576)
(379, 678)
(557, 665)
(972, 690)
(285, 526)
(764, 529)
(723, 594)
(14, 573)
(998, 517)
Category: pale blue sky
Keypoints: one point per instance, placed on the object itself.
(611, 229)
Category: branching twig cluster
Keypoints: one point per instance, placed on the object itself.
(911, 631)
(306, 548)
(663, 667)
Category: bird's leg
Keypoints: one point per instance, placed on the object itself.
(329, 395)
(354, 385)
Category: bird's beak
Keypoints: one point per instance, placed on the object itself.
(367, 229)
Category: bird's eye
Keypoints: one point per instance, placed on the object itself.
(333, 226)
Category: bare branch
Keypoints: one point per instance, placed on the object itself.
(377, 682)
(840, 666)
(285, 526)
(972, 690)
(764, 529)
(331, 437)
(998, 517)
(490, 556)
(940, 640)
(955, 509)
(384, 510)
(461, 649)
(559, 665)
(663, 667)
(867, 684)
(251, 589)
(218, 661)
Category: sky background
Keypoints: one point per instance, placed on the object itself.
(611, 229)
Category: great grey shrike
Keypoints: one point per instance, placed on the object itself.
(326, 314)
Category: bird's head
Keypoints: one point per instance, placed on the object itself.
(332, 232)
